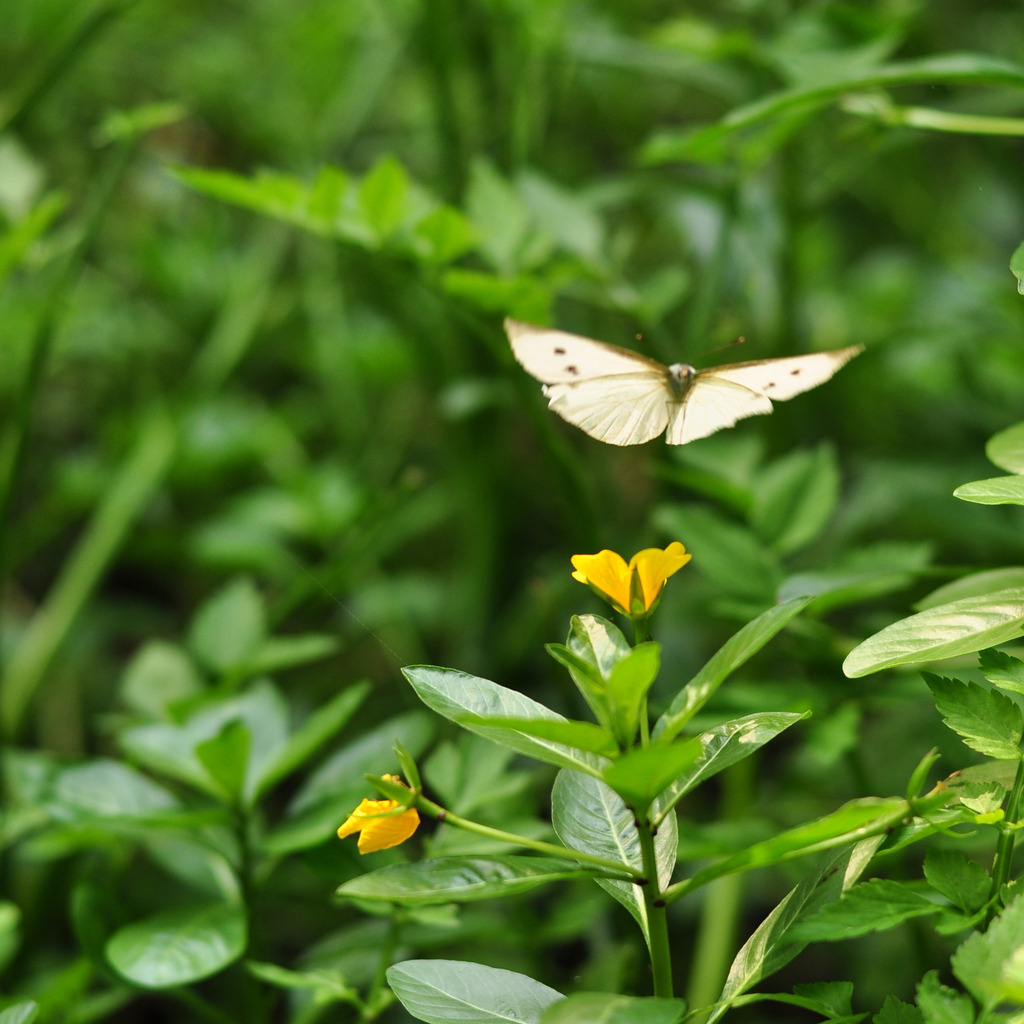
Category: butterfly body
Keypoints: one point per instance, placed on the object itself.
(622, 397)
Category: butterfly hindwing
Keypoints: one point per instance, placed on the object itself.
(712, 403)
(628, 408)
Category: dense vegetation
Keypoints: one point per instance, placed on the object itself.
(263, 444)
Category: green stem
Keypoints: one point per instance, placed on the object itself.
(881, 109)
(1004, 846)
(372, 1007)
(614, 868)
(657, 921)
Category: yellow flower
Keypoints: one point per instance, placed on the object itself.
(380, 823)
(633, 589)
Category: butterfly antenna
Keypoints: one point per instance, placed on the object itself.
(729, 344)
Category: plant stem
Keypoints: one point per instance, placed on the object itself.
(657, 922)
(616, 869)
(1004, 847)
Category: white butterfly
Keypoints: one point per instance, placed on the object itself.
(622, 397)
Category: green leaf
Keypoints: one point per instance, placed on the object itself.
(453, 694)
(872, 906)
(795, 498)
(24, 1011)
(447, 234)
(588, 815)
(987, 720)
(326, 986)
(957, 67)
(108, 789)
(598, 642)
(384, 197)
(129, 124)
(984, 959)
(895, 1011)
(1006, 449)
(740, 647)
(945, 631)
(282, 652)
(999, 490)
(178, 947)
(963, 882)
(457, 992)
(19, 239)
(1002, 670)
(642, 774)
(229, 628)
(608, 1008)
(726, 744)
(303, 744)
(458, 879)
(628, 683)
(942, 1005)
(158, 676)
(226, 757)
(1017, 266)
(582, 736)
(773, 944)
(499, 216)
(10, 932)
(523, 296)
(977, 584)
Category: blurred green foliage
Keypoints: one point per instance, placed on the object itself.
(258, 419)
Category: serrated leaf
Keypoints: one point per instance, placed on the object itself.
(997, 490)
(453, 695)
(872, 906)
(945, 631)
(1002, 669)
(963, 882)
(986, 720)
(458, 879)
(458, 992)
(178, 947)
(740, 647)
(590, 816)
(981, 961)
(895, 1011)
(940, 1004)
(608, 1008)
(1006, 449)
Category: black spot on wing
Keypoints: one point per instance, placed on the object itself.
(769, 385)
(573, 370)
(559, 351)
(795, 373)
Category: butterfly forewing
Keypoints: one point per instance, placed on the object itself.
(780, 379)
(557, 357)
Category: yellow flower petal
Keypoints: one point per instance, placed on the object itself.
(654, 566)
(378, 828)
(606, 571)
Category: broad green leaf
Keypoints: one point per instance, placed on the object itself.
(1002, 669)
(457, 992)
(1006, 449)
(565, 215)
(982, 961)
(872, 906)
(795, 498)
(590, 816)
(498, 215)
(598, 642)
(977, 584)
(178, 947)
(326, 986)
(943, 1005)
(999, 490)
(726, 744)
(628, 683)
(963, 882)
(524, 296)
(895, 1011)
(277, 653)
(304, 743)
(968, 68)
(588, 680)
(226, 757)
(642, 774)
(24, 1011)
(458, 879)
(608, 1008)
(384, 197)
(773, 945)
(157, 676)
(453, 694)
(730, 656)
(108, 789)
(229, 628)
(447, 234)
(1017, 267)
(986, 720)
(945, 631)
(582, 736)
